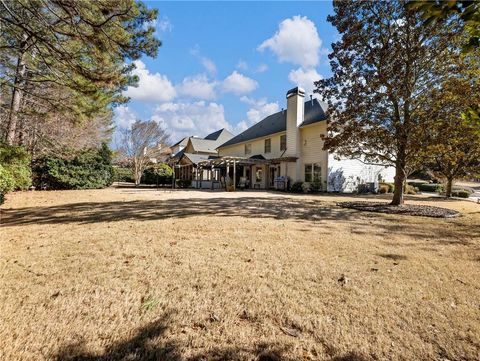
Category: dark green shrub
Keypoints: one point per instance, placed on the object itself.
(184, 183)
(6, 183)
(121, 174)
(315, 187)
(461, 193)
(91, 168)
(430, 187)
(297, 187)
(16, 161)
(417, 184)
(158, 172)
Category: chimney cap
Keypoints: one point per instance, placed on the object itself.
(296, 91)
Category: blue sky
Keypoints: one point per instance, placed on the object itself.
(228, 64)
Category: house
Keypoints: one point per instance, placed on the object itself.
(193, 150)
(289, 145)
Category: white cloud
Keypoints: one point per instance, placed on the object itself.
(304, 78)
(242, 65)
(152, 87)
(198, 87)
(123, 117)
(207, 63)
(183, 119)
(165, 25)
(296, 41)
(238, 84)
(260, 109)
(261, 68)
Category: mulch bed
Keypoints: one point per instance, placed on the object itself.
(406, 209)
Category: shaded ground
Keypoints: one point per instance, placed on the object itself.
(125, 274)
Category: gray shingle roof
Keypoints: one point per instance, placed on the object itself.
(277, 123)
(195, 158)
(211, 142)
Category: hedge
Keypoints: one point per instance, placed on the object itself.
(430, 187)
(15, 173)
(87, 169)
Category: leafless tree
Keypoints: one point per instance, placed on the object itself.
(142, 142)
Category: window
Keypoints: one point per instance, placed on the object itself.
(308, 173)
(283, 142)
(313, 173)
(248, 149)
(317, 173)
(268, 145)
(259, 175)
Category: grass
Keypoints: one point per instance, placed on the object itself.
(121, 274)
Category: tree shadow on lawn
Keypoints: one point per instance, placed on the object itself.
(146, 210)
(147, 345)
(321, 213)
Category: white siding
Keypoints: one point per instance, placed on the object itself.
(345, 175)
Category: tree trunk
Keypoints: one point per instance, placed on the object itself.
(448, 190)
(16, 100)
(399, 191)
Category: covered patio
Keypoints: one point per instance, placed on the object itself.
(233, 172)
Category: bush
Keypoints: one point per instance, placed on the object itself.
(390, 186)
(16, 161)
(383, 189)
(315, 187)
(430, 187)
(91, 168)
(461, 193)
(417, 184)
(409, 189)
(297, 187)
(121, 174)
(6, 183)
(184, 183)
(161, 172)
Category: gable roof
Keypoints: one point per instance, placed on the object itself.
(195, 158)
(277, 123)
(211, 142)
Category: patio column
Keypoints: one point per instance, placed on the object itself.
(234, 175)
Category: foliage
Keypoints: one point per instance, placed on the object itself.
(183, 183)
(451, 140)
(430, 187)
(86, 169)
(315, 187)
(383, 63)
(466, 11)
(16, 161)
(67, 62)
(390, 186)
(296, 187)
(383, 188)
(122, 174)
(461, 194)
(142, 142)
(409, 189)
(160, 173)
(6, 183)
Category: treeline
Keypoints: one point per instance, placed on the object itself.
(63, 67)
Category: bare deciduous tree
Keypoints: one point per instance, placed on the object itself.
(140, 143)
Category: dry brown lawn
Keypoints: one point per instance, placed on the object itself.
(124, 274)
